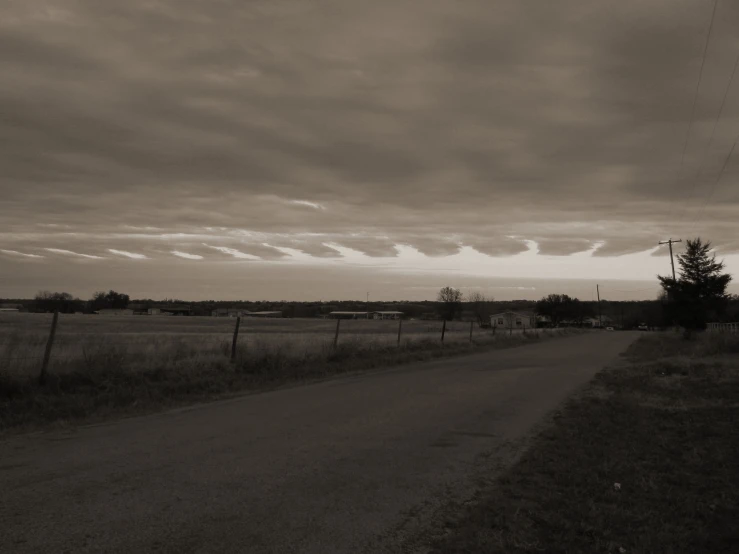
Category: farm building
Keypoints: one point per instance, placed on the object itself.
(160, 309)
(387, 315)
(350, 315)
(114, 311)
(513, 320)
(263, 314)
(366, 315)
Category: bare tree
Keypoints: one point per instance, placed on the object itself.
(451, 302)
(481, 307)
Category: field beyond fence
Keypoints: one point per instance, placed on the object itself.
(106, 364)
(141, 342)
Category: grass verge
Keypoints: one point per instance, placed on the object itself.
(105, 385)
(646, 460)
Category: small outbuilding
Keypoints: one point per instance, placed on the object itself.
(513, 320)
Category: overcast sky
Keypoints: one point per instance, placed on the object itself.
(290, 149)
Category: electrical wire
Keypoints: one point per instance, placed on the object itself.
(715, 184)
(713, 134)
(695, 100)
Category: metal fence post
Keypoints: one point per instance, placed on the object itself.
(47, 352)
(443, 331)
(400, 328)
(336, 336)
(236, 337)
(471, 322)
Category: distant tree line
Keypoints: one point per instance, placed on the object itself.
(65, 303)
(473, 307)
(691, 300)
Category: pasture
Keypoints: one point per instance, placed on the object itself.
(102, 366)
(143, 341)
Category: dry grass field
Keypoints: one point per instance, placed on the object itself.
(142, 342)
(105, 365)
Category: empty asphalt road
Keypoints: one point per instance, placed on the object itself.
(354, 464)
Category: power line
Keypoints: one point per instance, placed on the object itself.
(715, 184)
(713, 134)
(695, 98)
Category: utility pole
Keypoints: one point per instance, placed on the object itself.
(672, 261)
(600, 315)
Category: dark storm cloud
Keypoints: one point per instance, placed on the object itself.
(500, 246)
(432, 124)
(433, 247)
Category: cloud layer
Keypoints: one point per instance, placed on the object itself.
(270, 130)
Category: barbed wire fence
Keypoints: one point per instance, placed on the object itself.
(441, 331)
(723, 327)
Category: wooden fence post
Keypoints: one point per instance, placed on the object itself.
(471, 330)
(510, 333)
(400, 328)
(443, 331)
(47, 352)
(336, 336)
(236, 337)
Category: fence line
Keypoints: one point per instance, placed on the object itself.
(723, 327)
(62, 349)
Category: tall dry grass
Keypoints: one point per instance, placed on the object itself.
(99, 374)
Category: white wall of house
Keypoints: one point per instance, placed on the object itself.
(513, 320)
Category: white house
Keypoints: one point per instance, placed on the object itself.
(513, 320)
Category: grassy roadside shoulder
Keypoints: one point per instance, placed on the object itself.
(646, 460)
(107, 388)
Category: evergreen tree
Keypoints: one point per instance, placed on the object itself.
(699, 293)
